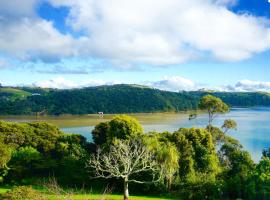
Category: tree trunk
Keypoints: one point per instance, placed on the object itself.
(126, 194)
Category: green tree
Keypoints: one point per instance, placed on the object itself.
(213, 106)
(259, 185)
(120, 127)
(166, 153)
(23, 162)
(197, 152)
(237, 168)
(229, 124)
(100, 133)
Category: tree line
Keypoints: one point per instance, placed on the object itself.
(114, 99)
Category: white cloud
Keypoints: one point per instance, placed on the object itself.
(59, 83)
(158, 32)
(249, 86)
(174, 83)
(25, 8)
(166, 32)
(168, 83)
(35, 39)
(62, 83)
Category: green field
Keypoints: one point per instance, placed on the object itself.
(109, 197)
(87, 196)
(16, 93)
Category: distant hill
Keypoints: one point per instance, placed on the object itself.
(120, 98)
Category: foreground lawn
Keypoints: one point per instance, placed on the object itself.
(109, 197)
(3, 190)
(95, 196)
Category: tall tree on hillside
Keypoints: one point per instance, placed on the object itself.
(213, 106)
(124, 161)
(229, 124)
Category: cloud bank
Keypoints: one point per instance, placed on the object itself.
(168, 83)
(62, 83)
(249, 86)
(124, 32)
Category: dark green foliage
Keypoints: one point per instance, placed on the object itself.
(237, 169)
(39, 135)
(114, 99)
(42, 150)
(197, 152)
(259, 183)
(100, 133)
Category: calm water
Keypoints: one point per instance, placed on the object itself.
(253, 125)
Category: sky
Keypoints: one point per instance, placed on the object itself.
(167, 44)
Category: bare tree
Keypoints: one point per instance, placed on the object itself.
(123, 161)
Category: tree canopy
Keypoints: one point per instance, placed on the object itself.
(213, 106)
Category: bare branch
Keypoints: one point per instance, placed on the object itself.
(125, 159)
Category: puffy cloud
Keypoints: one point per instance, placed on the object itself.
(174, 83)
(26, 36)
(157, 32)
(166, 32)
(25, 8)
(168, 83)
(35, 39)
(59, 83)
(248, 86)
(98, 82)
(62, 83)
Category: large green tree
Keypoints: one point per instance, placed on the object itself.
(120, 127)
(197, 152)
(213, 106)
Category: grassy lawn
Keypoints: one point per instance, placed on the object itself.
(17, 93)
(109, 197)
(96, 196)
(3, 190)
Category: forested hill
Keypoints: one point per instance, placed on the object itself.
(112, 99)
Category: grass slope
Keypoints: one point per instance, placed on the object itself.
(93, 196)
(15, 93)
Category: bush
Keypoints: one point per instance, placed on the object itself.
(24, 193)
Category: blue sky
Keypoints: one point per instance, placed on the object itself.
(172, 45)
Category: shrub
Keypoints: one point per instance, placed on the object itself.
(24, 193)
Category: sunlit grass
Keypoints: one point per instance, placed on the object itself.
(95, 196)
(108, 197)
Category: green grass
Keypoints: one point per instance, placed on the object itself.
(4, 190)
(17, 93)
(109, 197)
(95, 196)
